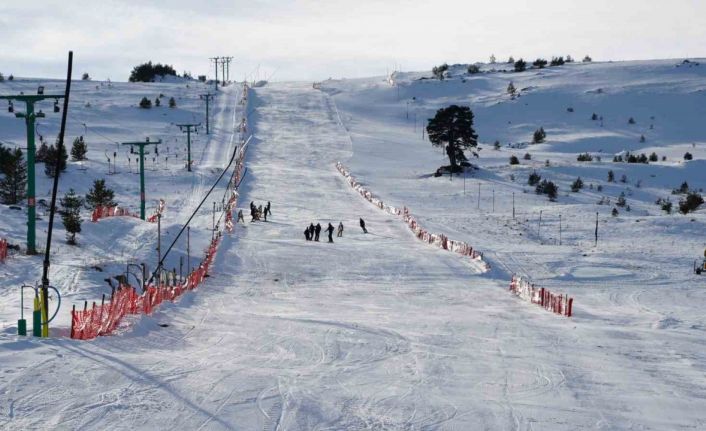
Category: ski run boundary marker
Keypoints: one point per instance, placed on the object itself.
(557, 303)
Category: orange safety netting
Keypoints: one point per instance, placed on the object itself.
(103, 319)
(556, 303)
(3, 250)
(440, 240)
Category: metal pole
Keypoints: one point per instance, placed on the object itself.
(493, 200)
(213, 223)
(181, 268)
(478, 195)
(31, 208)
(159, 246)
(142, 182)
(559, 229)
(188, 249)
(513, 205)
(539, 227)
(464, 181)
(596, 243)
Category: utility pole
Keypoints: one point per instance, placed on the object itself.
(159, 246)
(215, 61)
(188, 250)
(142, 146)
(188, 128)
(596, 243)
(207, 97)
(223, 71)
(226, 61)
(30, 117)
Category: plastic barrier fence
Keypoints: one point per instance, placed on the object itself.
(439, 240)
(104, 212)
(556, 303)
(103, 319)
(3, 250)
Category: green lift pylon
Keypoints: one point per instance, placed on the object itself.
(207, 97)
(188, 128)
(30, 117)
(142, 145)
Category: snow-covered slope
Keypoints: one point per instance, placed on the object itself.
(380, 331)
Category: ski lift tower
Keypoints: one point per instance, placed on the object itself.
(30, 117)
(142, 145)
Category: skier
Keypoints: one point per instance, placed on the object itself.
(362, 225)
(340, 230)
(267, 209)
(264, 214)
(311, 231)
(240, 217)
(330, 232)
(259, 211)
(317, 231)
(253, 214)
(306, 234)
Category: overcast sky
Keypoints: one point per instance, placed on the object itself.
(311, 40)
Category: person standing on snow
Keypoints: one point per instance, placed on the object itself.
(267, 209)
(240, 217)
(317, 231)
(306, 234)
(311, 231)
(362, 226)
(340, 230)
(330, 230)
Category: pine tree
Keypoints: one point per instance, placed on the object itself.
(533, 179)
(71, 215)
(473, 69)
(79, 149)
(42, 153)
(157, 102)
(539, 136)
(520, 65)
(492, 59)
(145, 103)
(577, 185)
(52, 154)
(452, 128)
(100, 195)
(511, 60)
(172, 102)
(540, 63)
(514, 160)
(13, 169)
(611, 176)
(511, 90)
(496, 146)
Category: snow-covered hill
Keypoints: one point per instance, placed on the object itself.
(380, 331)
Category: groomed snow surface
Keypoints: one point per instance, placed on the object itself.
(379, 330)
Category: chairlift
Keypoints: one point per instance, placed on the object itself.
(56, 106)
(10, 107)
(40, 90)
(156, 151)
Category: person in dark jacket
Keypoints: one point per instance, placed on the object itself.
(340, 230)
(362, 225)
(317, 231)
(240, 216)
(330, 230)
(268, 211)
(306, 234)
(311, 231)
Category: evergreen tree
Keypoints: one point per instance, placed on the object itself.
(146, 72)
(145, 103)
(533, 179)
(688, 156)
(439, 72)
(71, 215)
(52, 154)
(594, 117)
(514, 160)
(540, 63)
(496, 145)
(614, 213)
(611, 176)
(492, 59)
(13, 169)
(511, 90)
(172, 102)
(511, 60)
(577, 185)
(557, 61)
(157, 102)
(79, 149)
(587, 59)
(520, 65)
(100, 195)
(452, 128)
(42, 153)
(527, 156)
(539, 136)
(85, 77)
(473, 69)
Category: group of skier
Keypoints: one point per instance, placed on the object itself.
(312, 233)
(257, 213)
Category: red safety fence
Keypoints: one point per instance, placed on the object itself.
(103, 319)
(3, 250)
(439, 240)
(556, 303)
(102, 212)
